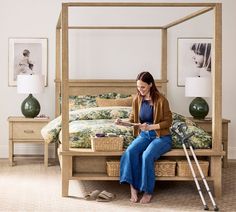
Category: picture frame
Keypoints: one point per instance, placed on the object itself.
(193, 58)
(27, 56)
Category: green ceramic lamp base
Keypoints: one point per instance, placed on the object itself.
(199, 108)
(30, 107)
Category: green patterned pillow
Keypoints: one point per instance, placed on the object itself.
(101, 113)
(200, 140)
(113, 95)
(80, 102)
(88, 101)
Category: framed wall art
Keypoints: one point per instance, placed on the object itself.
(27, 56)
(194, 58)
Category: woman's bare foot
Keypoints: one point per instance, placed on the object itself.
(134, 194)
(146, 198)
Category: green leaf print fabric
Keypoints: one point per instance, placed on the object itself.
(84, 123)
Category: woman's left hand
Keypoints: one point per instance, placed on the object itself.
(144, 127)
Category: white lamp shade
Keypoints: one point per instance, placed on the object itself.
(198, 87)
(30, 84)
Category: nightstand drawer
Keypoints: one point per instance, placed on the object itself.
(27, 130)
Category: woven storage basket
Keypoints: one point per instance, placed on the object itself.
(162, 168)
(107, 143)
(113, 168)
(165, 168)
(114, 102)
(183, 169)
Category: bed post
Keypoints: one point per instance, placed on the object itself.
(58, 68)
(164, 58)
(66, 160)
(58, 76)
(217, 101)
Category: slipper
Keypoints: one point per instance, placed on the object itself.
(105, 196)
(92, 195)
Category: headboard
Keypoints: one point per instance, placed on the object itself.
(95, 87)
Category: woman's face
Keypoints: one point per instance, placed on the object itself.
(198, 60)
(143, 87)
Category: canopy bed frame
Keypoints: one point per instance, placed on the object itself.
(71, 170)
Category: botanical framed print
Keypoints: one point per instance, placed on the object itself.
(194, 58)
(27, 56)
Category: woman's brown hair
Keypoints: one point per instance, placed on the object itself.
(148, 78)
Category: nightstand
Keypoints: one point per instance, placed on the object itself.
(26, 130)
(206, 124)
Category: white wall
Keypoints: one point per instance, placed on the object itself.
(37, 18)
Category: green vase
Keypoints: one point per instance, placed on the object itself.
(30, 107)
(199, 108)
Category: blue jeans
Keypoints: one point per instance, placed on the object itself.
(137, 163)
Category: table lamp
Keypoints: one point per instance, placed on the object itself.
(30, 84)
(198, 87)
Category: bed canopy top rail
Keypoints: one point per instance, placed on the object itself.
(209, 7)
(116, 27)
(188, 17)
(137, 4)
(174, 23)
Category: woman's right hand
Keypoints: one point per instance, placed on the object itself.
(143, 127)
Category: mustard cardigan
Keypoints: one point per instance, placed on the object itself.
(161, 114)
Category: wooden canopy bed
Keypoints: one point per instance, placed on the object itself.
(71, 170)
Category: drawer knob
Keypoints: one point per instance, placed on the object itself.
(28, 131)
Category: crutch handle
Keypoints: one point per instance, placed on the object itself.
(185, 139)
(188, 136)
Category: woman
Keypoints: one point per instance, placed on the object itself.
(150, 109)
